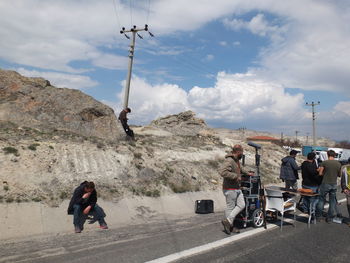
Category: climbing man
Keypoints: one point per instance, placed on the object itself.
(124, 121)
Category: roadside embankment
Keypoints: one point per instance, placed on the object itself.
(26, 219)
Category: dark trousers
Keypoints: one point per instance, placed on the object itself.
(79, 217)
(127, 130)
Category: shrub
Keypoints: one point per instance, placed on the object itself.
(183, 187)
(51, 147)
(6, 187)
(36, 199)
(63, 195)
(137, 155)
(100, 145)
(33, 146)
(9, 200)
(153, 193)
(214, 163)
(9, 150)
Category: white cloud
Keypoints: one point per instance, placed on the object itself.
(149, 102)
(209, 57)
(110, 61)
(236, 43)
(257, 25)
(223, 43)
(234, 98)
(343, 106)
(61, 80)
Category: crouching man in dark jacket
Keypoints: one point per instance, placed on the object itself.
(83, 203)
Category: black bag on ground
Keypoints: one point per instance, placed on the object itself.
(204, 206)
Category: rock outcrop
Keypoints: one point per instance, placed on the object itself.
(184, 123)
(33, 102)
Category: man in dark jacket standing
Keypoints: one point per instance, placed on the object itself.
(124, 121)
(231, 171)
(82, 204)
(289, 170)
(311, 180)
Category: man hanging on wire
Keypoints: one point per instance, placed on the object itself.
(124, 121)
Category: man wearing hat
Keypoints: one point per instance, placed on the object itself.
(231, 171)
(289, 170)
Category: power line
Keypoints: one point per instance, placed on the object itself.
(130, 1)
(116, 13)
(149, 8)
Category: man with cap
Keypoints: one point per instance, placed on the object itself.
(232, 171)
(289, 170)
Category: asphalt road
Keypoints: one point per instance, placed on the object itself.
(321, 243)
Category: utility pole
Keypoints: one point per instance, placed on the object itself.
(296, 136)
(134, 30)
(313, 120)
(307, 138)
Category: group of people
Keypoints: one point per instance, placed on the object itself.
(318, 178)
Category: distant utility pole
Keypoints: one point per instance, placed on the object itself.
(134, 32)
(307, 138)
(242, 130)
(296, 136)
(313, 120)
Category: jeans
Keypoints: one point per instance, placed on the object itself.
(291, 184)
(307, 200)
(331, 190)
(79, 217)
(234, 204)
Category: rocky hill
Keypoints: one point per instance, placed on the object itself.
(52, 139)
(33, 102)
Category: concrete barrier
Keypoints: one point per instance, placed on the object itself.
(26, 219)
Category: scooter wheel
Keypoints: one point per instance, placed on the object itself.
(257, 218)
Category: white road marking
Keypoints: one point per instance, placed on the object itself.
(219, 243)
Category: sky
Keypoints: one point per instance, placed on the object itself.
(235, 63)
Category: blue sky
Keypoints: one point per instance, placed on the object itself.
(235, 63)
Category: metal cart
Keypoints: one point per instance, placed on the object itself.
(253, 196)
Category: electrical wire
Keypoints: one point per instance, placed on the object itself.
(149, 8)
(130, 1)
(116, 14)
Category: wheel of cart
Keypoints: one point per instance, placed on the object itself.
(257, 218)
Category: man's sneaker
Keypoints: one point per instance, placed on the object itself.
(235, 230)
(103, 226)
(77, 229)
(227, 226)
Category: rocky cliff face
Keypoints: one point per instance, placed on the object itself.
(33, 102)
(53, 139)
